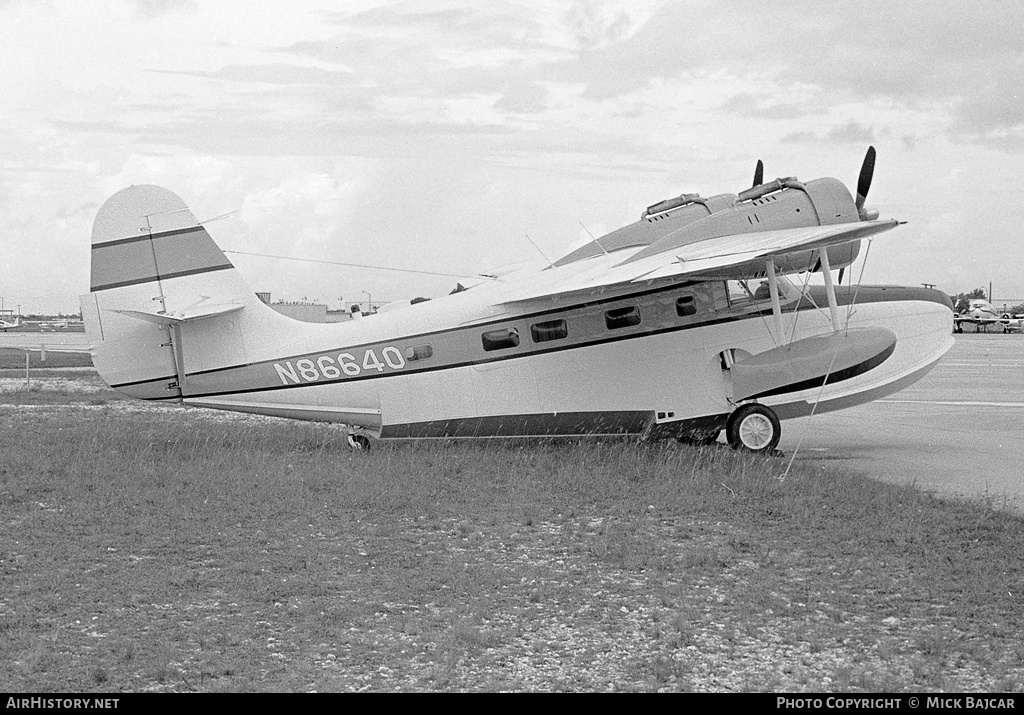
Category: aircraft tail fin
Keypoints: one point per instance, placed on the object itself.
(158, 283)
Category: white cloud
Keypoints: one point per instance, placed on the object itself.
(474, 124)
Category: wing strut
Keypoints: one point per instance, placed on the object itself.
(773, 288)
(830, 289)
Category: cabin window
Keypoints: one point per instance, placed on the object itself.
(500, 339)
(550, 330)
(418, 352)
(622, 317)
(685, 305)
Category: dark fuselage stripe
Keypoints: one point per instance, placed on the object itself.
(446, 366)
(546, 424)
(869, 294)
(506, 320)
(866, 296)
(556, 424)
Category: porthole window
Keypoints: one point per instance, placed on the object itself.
(550, 330)
(622, 317)
(500, 339)
(418, 352)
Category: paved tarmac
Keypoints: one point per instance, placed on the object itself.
(959, 431)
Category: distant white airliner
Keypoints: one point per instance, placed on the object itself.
(4, 324)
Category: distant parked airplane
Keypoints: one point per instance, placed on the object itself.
(4, 324)
(63, 324)
(982, 314)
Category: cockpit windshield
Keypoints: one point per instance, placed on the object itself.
(757, 292)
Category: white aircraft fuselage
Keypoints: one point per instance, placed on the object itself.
(647, 331)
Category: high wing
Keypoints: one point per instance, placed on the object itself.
(724, 257)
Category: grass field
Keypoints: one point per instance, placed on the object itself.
(166, 549)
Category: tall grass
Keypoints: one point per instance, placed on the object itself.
(177, 550)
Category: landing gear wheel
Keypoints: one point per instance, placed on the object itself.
(754, 428)
(359, 442)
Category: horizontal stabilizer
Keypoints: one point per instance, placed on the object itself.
(198, 313)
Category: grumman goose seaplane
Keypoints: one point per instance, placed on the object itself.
(680, 325)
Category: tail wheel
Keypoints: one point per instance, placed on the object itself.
(359, 442)
(754, 428)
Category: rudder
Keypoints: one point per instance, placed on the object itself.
(153, 267)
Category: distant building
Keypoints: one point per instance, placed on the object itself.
(1005, 303)
(306, 312)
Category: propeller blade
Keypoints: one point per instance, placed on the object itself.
(758, 174)
(841, 271)
(864, 182)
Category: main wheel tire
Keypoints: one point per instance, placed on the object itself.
(754, 428)
(359, 442)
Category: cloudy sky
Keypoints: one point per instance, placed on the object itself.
(439, 135)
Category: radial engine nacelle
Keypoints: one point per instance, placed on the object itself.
(783, 203)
